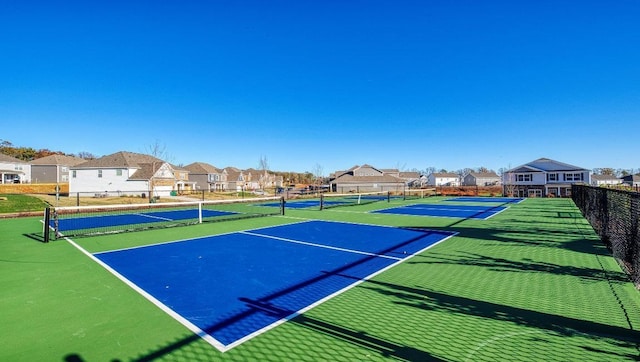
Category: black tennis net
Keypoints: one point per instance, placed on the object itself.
(104, 219)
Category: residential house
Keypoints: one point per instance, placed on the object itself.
(543, 177)
(53, 168)
(365, 178)
(443, 179)
(13, 170)
(127, 173)
(207, 177)
(632, 180)
(262, 179)
(481, 179)
(605, 180)
(237, 180)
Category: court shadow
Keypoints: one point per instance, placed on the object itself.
(426, 299)
(35, 236)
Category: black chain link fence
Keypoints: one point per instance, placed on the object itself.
(614, 215)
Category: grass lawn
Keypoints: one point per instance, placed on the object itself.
(531, 283)
(11, 203)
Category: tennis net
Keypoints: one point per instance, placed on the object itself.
(338, 200)
(410, 194)
(94, 220)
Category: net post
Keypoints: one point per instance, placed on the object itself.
(282, 203)
(321, 201)
(200, 213)
(388, 196)
(45, 228)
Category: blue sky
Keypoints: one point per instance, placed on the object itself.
(394, 84)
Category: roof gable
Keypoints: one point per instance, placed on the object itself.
(201, 168)
(546, 165)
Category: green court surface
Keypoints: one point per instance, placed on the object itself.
(532, 283)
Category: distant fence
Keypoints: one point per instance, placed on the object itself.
(62, 188)
(614, 215)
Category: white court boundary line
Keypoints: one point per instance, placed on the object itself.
(219, 345)
(192, 327)
(319, 245)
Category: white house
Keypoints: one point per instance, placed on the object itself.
(443, 179)
(13, 170)
(543, 177)
(605, 180)
(126, 173)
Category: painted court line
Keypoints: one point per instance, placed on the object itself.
(192, 327)
(155, 217)
(319, 245)
(279, 308)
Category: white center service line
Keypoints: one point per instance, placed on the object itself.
(320, 245)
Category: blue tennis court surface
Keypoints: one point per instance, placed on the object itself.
(231, 287)
(442, 210)
(507, 200)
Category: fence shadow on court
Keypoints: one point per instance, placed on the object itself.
(426, 299)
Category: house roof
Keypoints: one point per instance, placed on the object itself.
(58, 160)
(201, 168)
(444, 174)
(546, 165)
(634, 178)
(484, 174)
(410, 174)
(9, 159)
(120, 159)
(603, 177)
(349, 178)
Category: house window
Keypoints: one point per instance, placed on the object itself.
(99, 173)
(524, 177)
(118, 172)
(552, 177)
(65, 178)
(65, 169)
(573, 177)
(73, 173)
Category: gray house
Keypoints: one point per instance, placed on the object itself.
(481, 179)
(366, 178)
(207, 177)
(53, 168)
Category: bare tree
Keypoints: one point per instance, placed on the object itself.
(318, 174)
(263, 166)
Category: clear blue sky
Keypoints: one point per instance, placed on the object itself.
(395, 84)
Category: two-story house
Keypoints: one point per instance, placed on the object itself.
(53, 168)
(13, 170)
(127, 173)
(207, 177)
(543, 177)
(366, 178)
(443, 179)
(481, 179)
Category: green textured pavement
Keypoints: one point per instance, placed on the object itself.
(533, 283)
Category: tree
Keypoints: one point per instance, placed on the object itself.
(317, 174)
(263, 166)
(86, 155)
